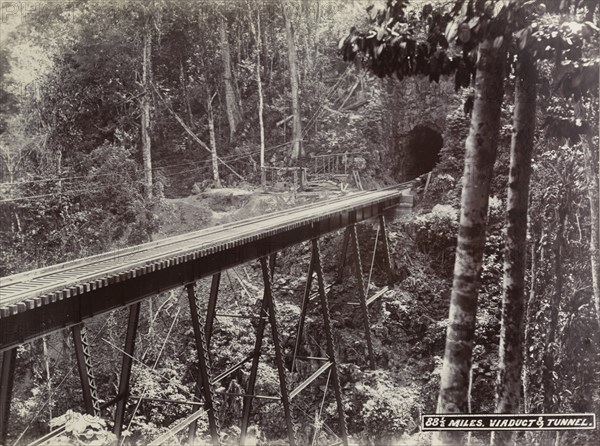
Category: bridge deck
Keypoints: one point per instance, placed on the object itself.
(40, 301)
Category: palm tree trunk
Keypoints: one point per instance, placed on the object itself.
(510, 365)
(480, 156)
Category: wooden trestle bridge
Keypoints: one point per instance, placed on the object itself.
(39, 302)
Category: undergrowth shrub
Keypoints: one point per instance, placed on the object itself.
(380, 410)
(436, 231)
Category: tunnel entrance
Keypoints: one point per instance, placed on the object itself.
(422, 151)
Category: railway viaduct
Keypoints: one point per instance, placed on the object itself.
(39, 302)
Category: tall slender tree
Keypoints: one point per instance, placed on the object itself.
(234, 115)
(487, 29)
(297, 147)
(480, 155)
(512, 333)
(482, 32)
(513, 298)
(213, 140)
(257, 34)
(145, 103)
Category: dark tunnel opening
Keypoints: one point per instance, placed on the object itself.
(423, 150)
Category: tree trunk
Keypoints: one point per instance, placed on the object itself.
(48, 376)
(525, 369)
(591, 161)
(234, 115)
(186, 100)
(297, 149)
(549, 358)
(548, 389)
(315, 38)
(510, 361)
(213, 142)
(257, 34)
(186, 96)
(151, 320)
(528, 311)
(59, 184)
(194, 136)
(147, 80)
(480, 155)
(261, 123)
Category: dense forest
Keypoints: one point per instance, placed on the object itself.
(124, 121)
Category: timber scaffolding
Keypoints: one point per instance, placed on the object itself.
(39, 302)
(336, 164)
(340, 166)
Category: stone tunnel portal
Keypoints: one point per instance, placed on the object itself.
(421, 151)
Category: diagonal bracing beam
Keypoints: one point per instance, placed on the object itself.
(123, 396)
(307, 382)
(234, 368)
(86, 371)
(204, 381)
(171, 434)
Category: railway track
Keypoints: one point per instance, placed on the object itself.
(34, 288)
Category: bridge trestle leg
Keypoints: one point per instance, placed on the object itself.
(247, 406)
(316, 258)
(304, 310)
(86, 370)
(267, 313)
(386, 250)
(343, 255)
(212, 308)
(272, 263)
(204, 380)
(279, 360)
(7, 377)
(123, 396)
(362, 294)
